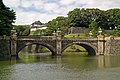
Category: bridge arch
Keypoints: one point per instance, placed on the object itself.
(92, 50)
(43, 44)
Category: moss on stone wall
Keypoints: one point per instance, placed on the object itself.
(115, 47)
(4, 48)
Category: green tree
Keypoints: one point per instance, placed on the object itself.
(94, 28)
(7, 17)
(51, 27)
(117, 31)
(73, 16)
(22, 29)
(93, 18)
(84, 17)
(77, 18)
(63, 24)
(60, 22)
(97, 16)
(113, 18)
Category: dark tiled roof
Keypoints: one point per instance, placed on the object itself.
(37, 24)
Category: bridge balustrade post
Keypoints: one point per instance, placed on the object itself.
(101, 45)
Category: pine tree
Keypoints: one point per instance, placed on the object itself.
(7, 17)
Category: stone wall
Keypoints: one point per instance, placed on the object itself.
(112, 46)
(115, 45)
(4, 48)
(78, 30)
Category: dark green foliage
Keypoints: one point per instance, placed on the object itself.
(117, 31)
(4, 48)
(114, 32)
(90, 18)
(22, 30)
(104, 19)
(84, 17)
(94, 28)
(37, 32)
(7, 17)
(113, 18)
(75, 17)
(60, 22)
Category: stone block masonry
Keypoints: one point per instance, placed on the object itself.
(4, 48)
(115, 46)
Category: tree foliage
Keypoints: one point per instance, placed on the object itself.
(91, 18)
(58, 23)
(94, 28)
(22, 30)
(113, 17)
(84, 17)
(117, 31)
(7, 17)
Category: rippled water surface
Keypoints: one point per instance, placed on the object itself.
(72, 67)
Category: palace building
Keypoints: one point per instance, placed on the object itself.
(37, 25)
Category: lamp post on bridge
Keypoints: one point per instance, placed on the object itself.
(13, 32)
(101, 43)
(90, 33)
(58, 32)
(54, 34)
(100, 31)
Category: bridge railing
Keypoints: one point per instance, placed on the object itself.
(81, 38)
(51, 38)
(54, 38)
(35, 37)
(117, 38)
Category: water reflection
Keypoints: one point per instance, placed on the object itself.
(108, 61)
(73, 61)
(71, 67)
(85, 61)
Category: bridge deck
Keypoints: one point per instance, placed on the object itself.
(51, 38)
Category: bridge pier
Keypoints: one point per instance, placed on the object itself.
(58, 45)
(38, 48)
(29, 48)
(101, 45)
(13, 45)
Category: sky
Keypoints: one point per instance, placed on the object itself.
(29, 11)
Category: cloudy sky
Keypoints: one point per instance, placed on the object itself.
(28, 11)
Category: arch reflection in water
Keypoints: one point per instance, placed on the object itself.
(34, 50)
(79, 48)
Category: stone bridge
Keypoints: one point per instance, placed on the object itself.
(95, 46)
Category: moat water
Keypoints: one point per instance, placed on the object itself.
(66, 67)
